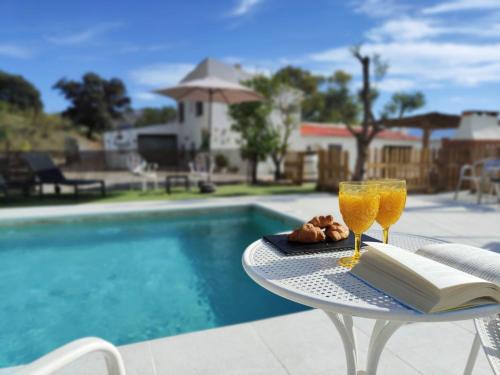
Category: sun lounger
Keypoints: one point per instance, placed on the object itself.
(46, 172)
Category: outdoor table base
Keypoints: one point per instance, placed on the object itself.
(317, 281)
(170, 179)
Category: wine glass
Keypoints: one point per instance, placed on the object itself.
(359, 204)
(392, 203)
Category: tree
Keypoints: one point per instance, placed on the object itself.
(152, 116)
(370, 126)
(309, 84)
(251, 120)
(287, 105)
(95, 101)
(19, 93)
(339, 104)
(402, 103)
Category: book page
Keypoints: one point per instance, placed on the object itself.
(440, 275)
(473, 260)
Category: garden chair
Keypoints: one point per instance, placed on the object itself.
(69, 353)
(141, 168)
(46, 172)
(478, 174)
(487, 336)
(200, 168)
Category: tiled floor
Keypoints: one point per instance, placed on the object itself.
(307, 343)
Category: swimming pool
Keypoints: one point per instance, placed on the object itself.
(128, 278)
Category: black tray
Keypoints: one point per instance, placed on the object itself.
(280, 241)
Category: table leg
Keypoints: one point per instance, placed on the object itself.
(381, 333)
(345, 327)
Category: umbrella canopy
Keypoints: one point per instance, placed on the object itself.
(211, 89)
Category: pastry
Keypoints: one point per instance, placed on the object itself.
(337, 232)
(322, 221)
(308, 233)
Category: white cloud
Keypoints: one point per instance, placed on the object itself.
(405, 28)
(244, 7)
(408, 29)
(12, 50)
(145, 48)
(462, 5)
(145, 96)
(395, 84)
(82, 36)
(379, 8)
(427, 63)
(158, 75)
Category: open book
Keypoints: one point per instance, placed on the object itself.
(435, 278)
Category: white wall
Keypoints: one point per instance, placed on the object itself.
(479, 126)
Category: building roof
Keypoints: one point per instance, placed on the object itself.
(431, 120)
(214, 68)
(339, 130)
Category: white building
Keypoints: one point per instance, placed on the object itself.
(478, 125)
(186, 133)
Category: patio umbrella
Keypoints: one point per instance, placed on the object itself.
(211, 89)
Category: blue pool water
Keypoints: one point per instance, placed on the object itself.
(128, 278)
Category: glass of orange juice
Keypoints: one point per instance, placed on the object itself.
(359, 204)
(392, 203)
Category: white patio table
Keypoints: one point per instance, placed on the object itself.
(317, 281)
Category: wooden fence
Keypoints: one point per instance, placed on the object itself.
(333, 167)
(294, 167)
(455, 153)
(417, 167)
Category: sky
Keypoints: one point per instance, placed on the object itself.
(448, 49)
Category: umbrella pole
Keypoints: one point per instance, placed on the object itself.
(210, 99)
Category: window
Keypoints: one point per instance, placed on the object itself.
(199, 109)
(181, 112)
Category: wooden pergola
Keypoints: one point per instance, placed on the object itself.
(427, 122)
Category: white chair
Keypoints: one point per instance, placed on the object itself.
(478, 174)
(65, 355)
(487, 336)
(200, 168)
(141, 168)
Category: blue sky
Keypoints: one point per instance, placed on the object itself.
(449, 49)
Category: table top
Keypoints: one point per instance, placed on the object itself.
(316, 280)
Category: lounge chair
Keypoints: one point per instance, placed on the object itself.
(141, 168)
(46, 172)
(69, 353)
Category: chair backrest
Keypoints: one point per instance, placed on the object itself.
(42, 165)
(135, 163)
(202, 163)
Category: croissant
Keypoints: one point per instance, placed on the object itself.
(337, 232)
(322, 221)
(308, 233)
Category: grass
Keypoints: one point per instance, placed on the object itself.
(223, 191)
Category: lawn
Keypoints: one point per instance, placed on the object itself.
(177, 194)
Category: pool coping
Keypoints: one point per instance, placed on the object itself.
(28, 214)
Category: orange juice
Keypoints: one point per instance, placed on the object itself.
(359, 209)
(392, 203)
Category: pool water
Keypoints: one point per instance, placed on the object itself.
(129, 278)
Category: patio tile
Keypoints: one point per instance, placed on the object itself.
(230, 350)
(308, 343)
